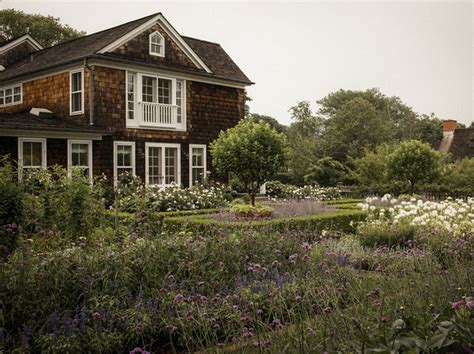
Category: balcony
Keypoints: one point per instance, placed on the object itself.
(158, 115)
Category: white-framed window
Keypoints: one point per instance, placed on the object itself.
(162, 164)
(80, 156)
(124, 158)
(76, 89)
(11, 95)
(31, 153)
(149, 96)
(131, 95)
(157, 44)
(180, 100)
(197, 163)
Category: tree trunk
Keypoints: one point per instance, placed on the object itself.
(412, 187)
(252, 196)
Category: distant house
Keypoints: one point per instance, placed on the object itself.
(138, 97)
(459, 142)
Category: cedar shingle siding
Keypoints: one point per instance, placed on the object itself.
(210, 107)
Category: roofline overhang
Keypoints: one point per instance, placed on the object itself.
(103, 59)
(18, 41)
(55, 133)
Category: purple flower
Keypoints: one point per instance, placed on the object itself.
(456, 305)
(138, 350)
(305, 246)
(470, 304)
(178, 298)
(248, 332)
(293, 258)
(276, 323)
(275, 264)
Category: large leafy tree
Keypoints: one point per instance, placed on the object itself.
(414, 162)
(355, 127)
(272, 122)
(253, 152)
(47, 30)
(304, 140)
(326, 172)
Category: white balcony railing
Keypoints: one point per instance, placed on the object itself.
(158, 115)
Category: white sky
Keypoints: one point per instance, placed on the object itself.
(419, 51)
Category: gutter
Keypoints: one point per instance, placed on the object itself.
(91, 91)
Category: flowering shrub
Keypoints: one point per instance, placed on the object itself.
(281, 191)
(455, 216)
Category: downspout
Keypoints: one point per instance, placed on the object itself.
(91, 91)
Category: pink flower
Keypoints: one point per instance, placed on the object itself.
(456, 305)
(305, 246)
(178, 298)
(277, 324)
(469, 304)
(293, 257)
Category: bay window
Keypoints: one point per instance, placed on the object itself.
(155, 102)
(197, 164)
(162, 164)
(124, 158)
(80, 156)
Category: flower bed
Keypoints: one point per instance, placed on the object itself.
(281, 191)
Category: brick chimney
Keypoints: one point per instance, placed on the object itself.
(449, 125)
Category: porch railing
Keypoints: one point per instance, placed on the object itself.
(158, 115)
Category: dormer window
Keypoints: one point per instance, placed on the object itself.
(157, 44)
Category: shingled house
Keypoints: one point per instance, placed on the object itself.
(138, 97)
(459, 142)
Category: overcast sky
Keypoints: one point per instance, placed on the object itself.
(419, 51)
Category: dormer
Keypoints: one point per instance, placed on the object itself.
(156, 44)
(17, 48)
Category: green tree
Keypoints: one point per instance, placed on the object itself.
(355, 127)
(304, 139)
(47, 30)
(371, 171)
(459, 177)
(326, 172)
(252, 151)
(415, 162)
(429, 129)
(272, 122)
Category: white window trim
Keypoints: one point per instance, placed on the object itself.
(69, 155)
(178, 163)
(20, 153)
(124, 143)
(71, 72)
(135, 123)
(162, 54)
(191, 146)
(12, 87)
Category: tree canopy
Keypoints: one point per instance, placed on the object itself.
(47, 30)
(253, 152)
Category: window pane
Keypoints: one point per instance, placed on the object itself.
(171, 165)
(32, 154)
(179, 99)
(76, 84)
(131, 95)
(164, 91)
(17, 90)
(198, 157)
(154, 165)
(76, 102)
(148, 89)
(197, 175)
(80, 155)
(124, 156)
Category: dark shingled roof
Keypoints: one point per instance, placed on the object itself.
(462, 145)
(221, 65)
(27, 121)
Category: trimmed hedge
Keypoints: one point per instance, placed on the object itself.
(344, 201)
(341, 220)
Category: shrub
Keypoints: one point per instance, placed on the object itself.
(278, 190)
(251, 211)
(386, 234)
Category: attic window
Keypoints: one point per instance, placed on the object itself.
(10, 95)
(157, 44)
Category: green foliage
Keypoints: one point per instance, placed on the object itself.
(355, 127)
(282, 191)
(47, 30)
(272, 122)
(458, 177)
(327, 172)
(253, 152)
(415, 162)
(251, 211)
(384, 234)
(304, 139)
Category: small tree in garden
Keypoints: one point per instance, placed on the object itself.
(415, 162)
(252, 151)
